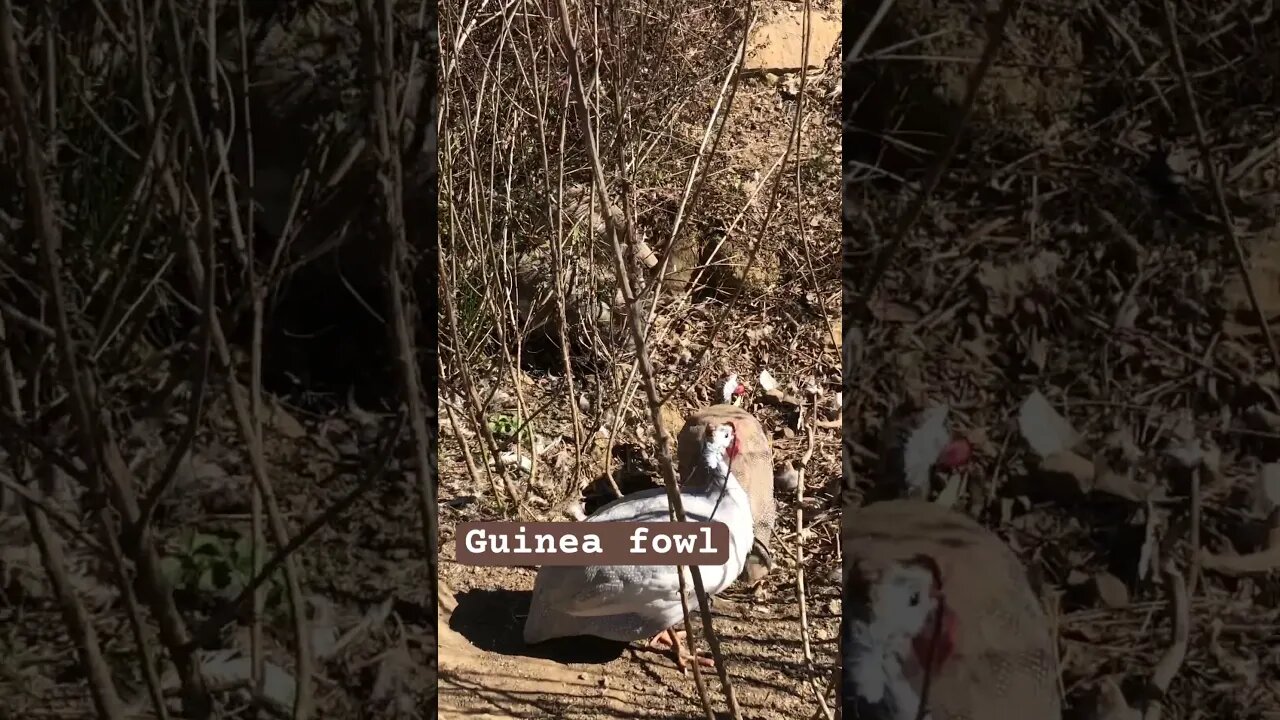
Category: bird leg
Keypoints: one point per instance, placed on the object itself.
(673, 639)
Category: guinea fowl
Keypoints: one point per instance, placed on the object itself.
(914, 441)
(939, 611)
(631, 602)
(752, 465)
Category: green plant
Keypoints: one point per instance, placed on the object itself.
(503, 426)
(213, 565)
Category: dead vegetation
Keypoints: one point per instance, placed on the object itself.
(1075, 289)
(630, 212)
(181, 447)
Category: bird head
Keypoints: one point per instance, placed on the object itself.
(928, 443)
(732, 390)
(901, 596)
(896, 615)
(721, 443)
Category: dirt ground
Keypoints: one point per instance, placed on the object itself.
(785, 321)
(1075, 250)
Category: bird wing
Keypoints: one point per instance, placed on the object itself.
(617, 589)
(614, 589)
(644, 506)
(653, 506)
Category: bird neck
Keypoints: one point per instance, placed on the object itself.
(875, 671)
(715, 468)
(716, 464)
(870, 662)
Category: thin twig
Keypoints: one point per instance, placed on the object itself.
(377, 26)
(208, 631)
(1215, 179)
(1263, 561)
(814, 675)
(46, 507)
(202, 268)
(665, 464)
(884, 258)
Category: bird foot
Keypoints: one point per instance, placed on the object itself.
(674, 640)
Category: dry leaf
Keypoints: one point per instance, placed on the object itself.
(511, 457)
(767, 382)
(893, 312)
(1126, 488)
(1188, 453)
(1266, 489)
(1264, 270)
(1244, 670)
(1046, 431)
(1115, 466)
(1111, 590)
(950, 494)
(324, 627)
(1008, 284)
(285, 423)
(231, 667)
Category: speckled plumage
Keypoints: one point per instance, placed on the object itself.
(630, 602)
(1003, 665)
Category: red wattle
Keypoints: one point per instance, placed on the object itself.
(943, 647)
(956, 454)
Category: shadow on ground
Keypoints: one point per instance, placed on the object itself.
(493, 620)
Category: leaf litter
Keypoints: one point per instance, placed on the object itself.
(1097, 346)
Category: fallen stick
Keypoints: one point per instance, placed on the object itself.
(1262, 561)
(1171, 662)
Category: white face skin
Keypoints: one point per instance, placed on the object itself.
(901, 603)
(718, 442)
